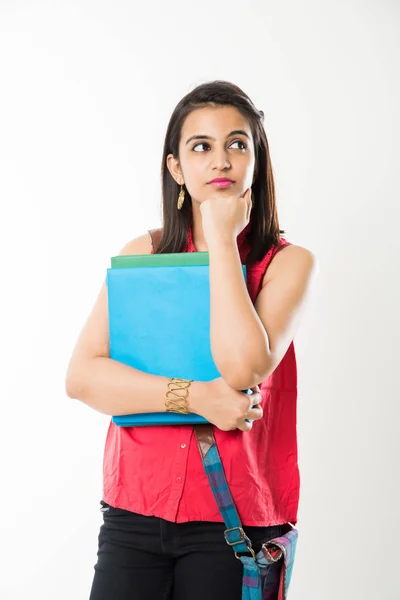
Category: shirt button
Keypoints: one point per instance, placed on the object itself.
(179, 479)
(183, 445)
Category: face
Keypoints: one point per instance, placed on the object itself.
(214, 152)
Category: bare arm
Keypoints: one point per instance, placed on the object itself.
(114, 388)
(238, 339)
(107, 385)
(248, 342)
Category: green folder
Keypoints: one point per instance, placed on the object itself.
(180, 259)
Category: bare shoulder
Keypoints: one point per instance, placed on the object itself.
(289, 259)
(138, 245)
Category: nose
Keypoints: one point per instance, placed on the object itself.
(220, 160)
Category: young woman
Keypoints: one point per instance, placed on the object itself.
(162, 535)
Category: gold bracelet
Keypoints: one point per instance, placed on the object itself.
(172, 405)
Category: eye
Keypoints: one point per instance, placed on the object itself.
(201, 144)
(240, 142)
(205, 144)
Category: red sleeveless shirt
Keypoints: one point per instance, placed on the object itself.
(157, 471)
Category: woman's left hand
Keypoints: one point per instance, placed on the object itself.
(224, 217)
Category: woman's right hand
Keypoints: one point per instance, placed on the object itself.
(227, 408)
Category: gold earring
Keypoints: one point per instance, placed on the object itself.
(181, 198)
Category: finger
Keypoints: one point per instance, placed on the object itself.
(255, 413)
(245, 426)
(255, 398)
(256, 409)
(248, 204)
(255, 388)
(247, 197)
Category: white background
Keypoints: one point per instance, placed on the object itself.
(87, 89)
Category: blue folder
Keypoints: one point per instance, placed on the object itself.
(159, 322)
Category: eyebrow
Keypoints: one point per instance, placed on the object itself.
(208, 137)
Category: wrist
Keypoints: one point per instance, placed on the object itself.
(222, 245)
(198, 391)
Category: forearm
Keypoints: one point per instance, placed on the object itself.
(239, 342)
(114, 388)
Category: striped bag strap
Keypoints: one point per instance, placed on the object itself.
(234, 534)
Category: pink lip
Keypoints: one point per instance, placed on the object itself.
(221, 183)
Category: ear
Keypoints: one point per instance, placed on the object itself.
(174, 168)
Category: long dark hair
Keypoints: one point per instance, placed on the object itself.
(264, 229)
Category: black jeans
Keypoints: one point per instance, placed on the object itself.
(148, 558)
